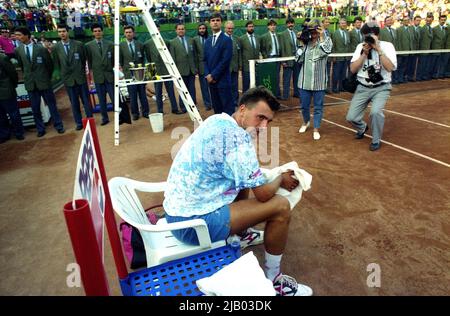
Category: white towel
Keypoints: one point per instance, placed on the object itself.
(301, 175)
(243, 277)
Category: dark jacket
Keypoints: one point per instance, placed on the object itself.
(72, 66)
(8, 79)
(37, 74)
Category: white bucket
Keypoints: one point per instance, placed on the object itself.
(156, 122)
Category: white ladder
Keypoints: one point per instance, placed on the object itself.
(174, 74)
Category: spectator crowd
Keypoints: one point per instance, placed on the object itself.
(46, 14)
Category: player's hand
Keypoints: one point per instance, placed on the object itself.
(287, 181)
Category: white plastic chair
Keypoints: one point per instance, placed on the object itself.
(160, 245)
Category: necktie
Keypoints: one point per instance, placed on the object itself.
(345, 38)
(359, 35)
(131, 50)
(214, 40)
(185, 44)
(293, 39)
(66, 48)
(203, 40)
(253, 42)
(276, 44)
(100, 47)
(392, 33)
(28, 53)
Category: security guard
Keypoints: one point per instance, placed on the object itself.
(69, 57)
(37, 66)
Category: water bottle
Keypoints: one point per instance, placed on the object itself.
(235, 242)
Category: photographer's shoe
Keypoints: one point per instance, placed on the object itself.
(375, 146)
(304, 127)
(316, 135)
(360, 135)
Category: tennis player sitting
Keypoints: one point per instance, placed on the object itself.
(211, 177)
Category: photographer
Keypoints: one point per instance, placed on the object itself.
(373, 61)
(313, 53)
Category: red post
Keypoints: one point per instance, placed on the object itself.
(110, 220)
(85, 246)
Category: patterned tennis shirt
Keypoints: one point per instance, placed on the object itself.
(213, 165)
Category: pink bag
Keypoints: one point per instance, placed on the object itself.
(132, 241)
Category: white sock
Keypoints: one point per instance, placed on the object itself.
(272, 265)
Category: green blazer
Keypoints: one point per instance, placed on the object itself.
(37, 74)
(236, 63)
(153, 56)
(426, 35)
(405, 38)
(101, 62)
(439, 38)
(416, 38)
(72, 67)
(8, 79)
(247, 51)
(184, 60)
(386, 36)
(447, 42)
(125, 56)
(355, 39)
(341, 46)
(288, 47)
(198, 47)
(266, 44)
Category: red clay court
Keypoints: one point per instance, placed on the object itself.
(390, 207)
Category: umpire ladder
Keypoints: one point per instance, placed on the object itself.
(174, 74)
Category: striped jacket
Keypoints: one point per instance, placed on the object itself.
(313, 75)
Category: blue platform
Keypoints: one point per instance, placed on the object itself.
(177, 278)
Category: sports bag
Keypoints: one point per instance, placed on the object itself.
(133, 244)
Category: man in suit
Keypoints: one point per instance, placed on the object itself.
(183, 53)
(250, 48)
(438, 42)
(341, 44)
(132, 51)
(100, 56)
(199, 43)
(217, 58)
(405, 42)
(413, 59)
(326, 33)
(288, 42)
(270, 48)
(425, 60)
(356, 36)
(69, 57)
(8, 101)
(37, 66)
(447, 46)
(389, 34)
(236, 63)
(153, 56)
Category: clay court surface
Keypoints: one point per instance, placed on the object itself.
(390, 207)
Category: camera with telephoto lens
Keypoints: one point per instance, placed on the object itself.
(307, 31)
(374, 73)
(369, 39)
